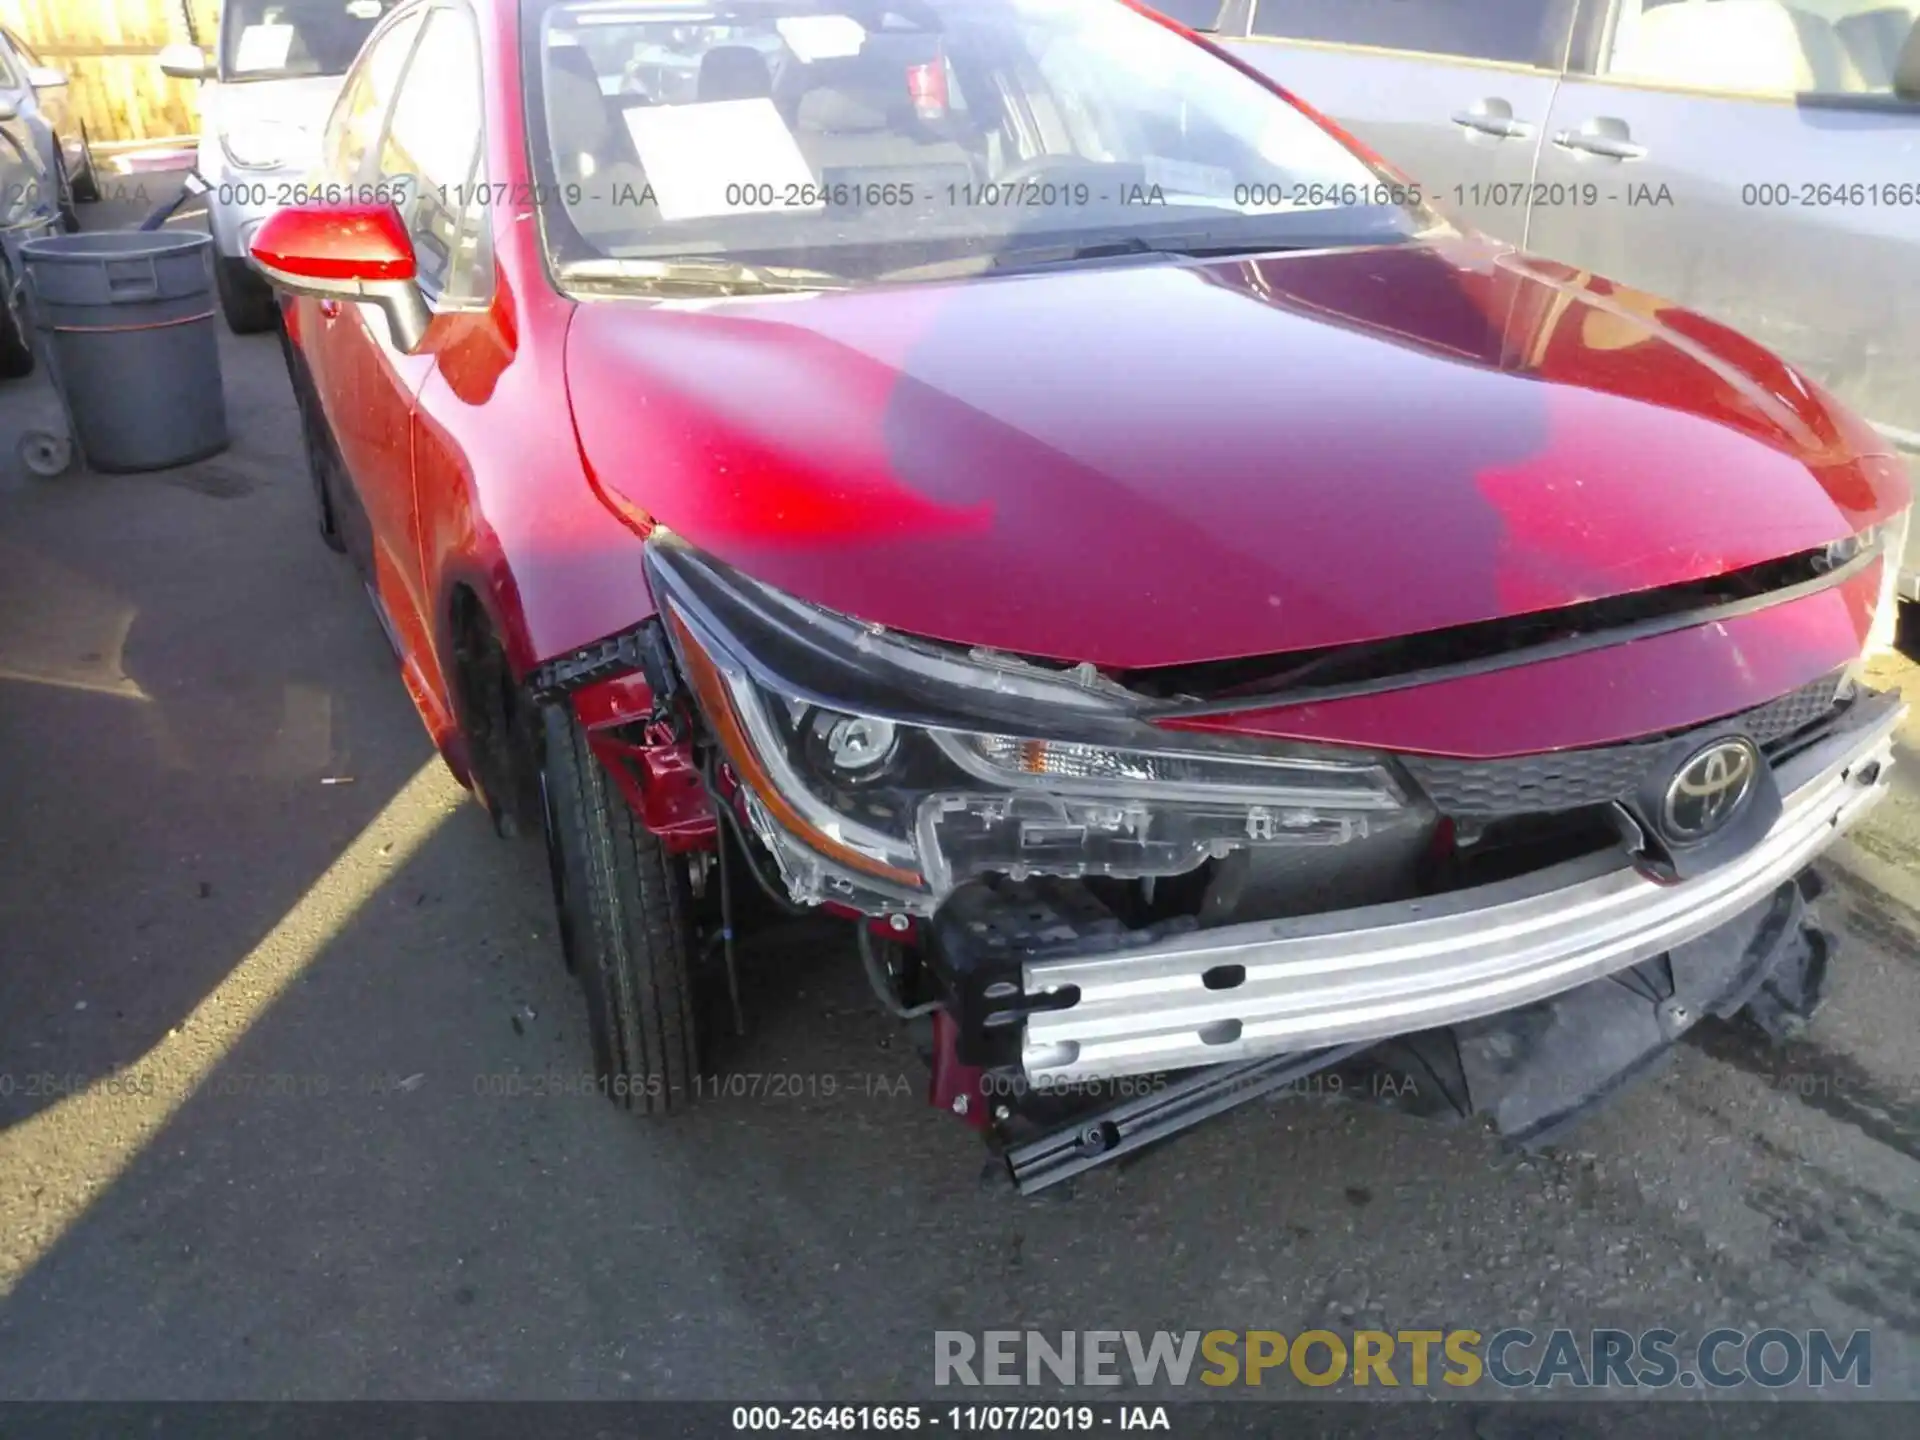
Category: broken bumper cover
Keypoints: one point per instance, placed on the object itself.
(1245, 991)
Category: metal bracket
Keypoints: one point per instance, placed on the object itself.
(1106, 1135)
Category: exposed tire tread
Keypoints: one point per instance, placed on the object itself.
(320, 471)
(63, 193)
(635, 955)
(85, 186)
(16, 346)
(246, 301)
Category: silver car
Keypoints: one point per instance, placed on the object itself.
(37, 92)
(28, 211)
(1755, 161)
(265, 97)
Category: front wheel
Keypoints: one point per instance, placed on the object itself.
(86, 180)
(63, 193)
(246, 300)
(319, 450)
(16, 343)
(626, 925)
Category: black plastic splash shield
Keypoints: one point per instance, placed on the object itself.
(1538, 1071)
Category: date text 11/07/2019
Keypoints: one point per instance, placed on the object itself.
(987, 195)
(956, 1419)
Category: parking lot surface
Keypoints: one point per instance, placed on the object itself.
(289, 1052)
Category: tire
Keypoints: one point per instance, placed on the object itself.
(16, 345)
(63, 192)
(86, 184)
(626, 926)
(320, 470)
(246, 300)
(318, 448)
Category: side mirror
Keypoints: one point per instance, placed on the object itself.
(184, 62)
(8, 110)
(346, 252)
(45, 77)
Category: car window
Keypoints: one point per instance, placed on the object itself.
(1194, 14)
(432, 144)
(354, 127)
(1514, 32)
(11, 76)
(28, 55)
(869, 138)
(273, 39)
(1834, 47)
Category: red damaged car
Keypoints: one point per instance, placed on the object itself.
(1003, 473)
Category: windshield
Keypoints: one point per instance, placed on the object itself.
(277, 39)
(852, 139)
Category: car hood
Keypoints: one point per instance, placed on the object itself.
(1165, 463)
(301, 102)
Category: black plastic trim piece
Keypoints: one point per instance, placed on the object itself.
(1134, 1124)
(643, 648)
(1578, 644)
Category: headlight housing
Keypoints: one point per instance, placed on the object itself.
(882, 771)
(264, 144)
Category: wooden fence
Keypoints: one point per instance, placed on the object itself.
(107, 48)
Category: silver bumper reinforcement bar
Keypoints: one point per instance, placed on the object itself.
(1244, 992)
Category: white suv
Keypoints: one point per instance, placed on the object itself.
(265, 98)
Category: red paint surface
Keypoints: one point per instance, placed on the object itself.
(620, 701)
(1617, 693)
(1151, 465)
(660, 783)
(336, 242)
(952, 1079)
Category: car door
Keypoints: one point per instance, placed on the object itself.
(1756, 162)
(334, 338)
(1454, 92)
(428, 153)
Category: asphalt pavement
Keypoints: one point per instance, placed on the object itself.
(278, 1012)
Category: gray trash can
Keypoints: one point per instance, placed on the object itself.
(126, 321)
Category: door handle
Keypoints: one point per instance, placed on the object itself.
(1492, 116)
(1602, 136)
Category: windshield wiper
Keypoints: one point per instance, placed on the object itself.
(1191, 246)
(728, 277)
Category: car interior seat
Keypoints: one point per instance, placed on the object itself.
(578, 125)
(857, 113)
(734, 72)
(1754, 46)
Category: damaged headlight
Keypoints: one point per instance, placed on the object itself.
(883, 771)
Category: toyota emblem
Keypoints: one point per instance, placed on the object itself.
(1708, 789)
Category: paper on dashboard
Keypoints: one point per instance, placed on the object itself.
(723, 157)
(263, 47)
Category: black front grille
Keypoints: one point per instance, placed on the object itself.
(1792, 712)
(1571, 779)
